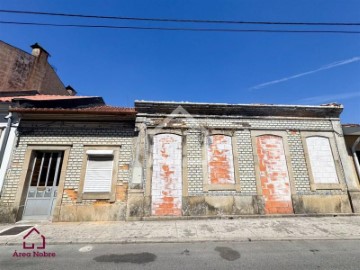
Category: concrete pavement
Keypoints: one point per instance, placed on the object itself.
(249, 229)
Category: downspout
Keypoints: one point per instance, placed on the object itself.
(353, 150)
(6, 136)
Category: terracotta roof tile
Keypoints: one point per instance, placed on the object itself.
(104, 109)
(41, 97)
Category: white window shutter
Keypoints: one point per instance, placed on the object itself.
(98, 175)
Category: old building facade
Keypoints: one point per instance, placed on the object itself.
(166, 159)
(196, 159)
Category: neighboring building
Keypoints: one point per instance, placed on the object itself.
(9, 122)
(352, 140)
(24, 76)
(69, 164)
(203, 159)
(24, 72)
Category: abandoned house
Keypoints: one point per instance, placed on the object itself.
(89, 162)
(200, 159)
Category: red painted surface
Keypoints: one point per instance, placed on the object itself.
(167, 175)
(220, 160)
(274, 175)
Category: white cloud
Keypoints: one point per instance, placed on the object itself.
(329, 98)
(328, 66)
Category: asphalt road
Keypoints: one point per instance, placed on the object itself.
(338, 254)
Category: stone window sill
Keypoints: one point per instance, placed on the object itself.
(326, 186)
(220, 187)
(96, 196)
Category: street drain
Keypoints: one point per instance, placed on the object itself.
(15, 230)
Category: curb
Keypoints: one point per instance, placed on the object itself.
(171, 218)
(167, 241)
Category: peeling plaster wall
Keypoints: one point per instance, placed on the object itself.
(220, 160)
(166, 188)
(274, 175)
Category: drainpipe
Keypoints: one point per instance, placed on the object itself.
(6, 136)
(353, 150)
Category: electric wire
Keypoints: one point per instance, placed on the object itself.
(181, 29)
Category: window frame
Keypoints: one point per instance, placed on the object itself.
(111, 195)
(288, 158)
(151, 133)
(336, 158)
(221, 187)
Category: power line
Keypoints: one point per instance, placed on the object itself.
(181, 29)
(179, 20)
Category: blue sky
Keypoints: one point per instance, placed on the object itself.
(125, 65)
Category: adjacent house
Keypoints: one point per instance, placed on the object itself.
(352, 140)
(24, 76)
(71, 161)
(10, 121)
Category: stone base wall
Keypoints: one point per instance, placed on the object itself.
(202, 206)
(321, 204)
(355, 200)
(7, 213)
(96, 212)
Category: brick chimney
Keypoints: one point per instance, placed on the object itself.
(39, 52)
(71, 90)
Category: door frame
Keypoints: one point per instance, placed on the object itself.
(21, 194)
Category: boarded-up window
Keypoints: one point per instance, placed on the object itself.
(166, 181)
(220, 160)
(98, 175)
(274, 175)
(321, 160)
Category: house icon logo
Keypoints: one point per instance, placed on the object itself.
(34, 233)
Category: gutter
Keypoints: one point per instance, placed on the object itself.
(6, 136)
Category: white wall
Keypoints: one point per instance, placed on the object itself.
(8, 150)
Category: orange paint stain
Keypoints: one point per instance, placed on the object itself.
(274, 176)
(167, 200)
(220, 160)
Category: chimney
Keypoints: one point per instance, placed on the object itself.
(70, 90)
(39, 51)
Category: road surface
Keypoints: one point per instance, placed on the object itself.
(277, 255)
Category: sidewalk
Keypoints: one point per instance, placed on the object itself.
(249, 229)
